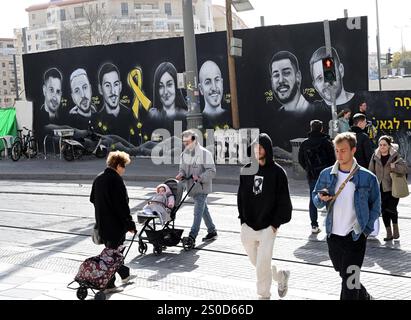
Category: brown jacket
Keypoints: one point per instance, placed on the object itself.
(383, 173)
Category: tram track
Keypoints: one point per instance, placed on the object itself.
(199, 248)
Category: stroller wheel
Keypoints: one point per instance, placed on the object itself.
(82, 293)
(100, 296)
(188, 243)
(142, 247)
(157, 250)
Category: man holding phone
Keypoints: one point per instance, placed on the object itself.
(348, 222)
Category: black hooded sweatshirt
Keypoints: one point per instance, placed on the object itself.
(263, 199)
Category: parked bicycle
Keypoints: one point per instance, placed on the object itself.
(24, 144)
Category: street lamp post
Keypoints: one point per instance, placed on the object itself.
(239, 5)
(194, 116)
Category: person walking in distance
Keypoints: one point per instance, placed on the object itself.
(384, 161)
(112, 213)
(352, 197)
(315, 154)
(264, 204)
(197, 165)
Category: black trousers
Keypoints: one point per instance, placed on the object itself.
(122, 271)
(345, 252)
(389, 208)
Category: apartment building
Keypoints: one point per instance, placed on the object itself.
(62, 23)
(220, 19)
(7, 74)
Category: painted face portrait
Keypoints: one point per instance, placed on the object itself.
(81, 92)
(111, 89)
(211, 84)
(285, 80)
(167, 90)
(52, 94)
(323, 88)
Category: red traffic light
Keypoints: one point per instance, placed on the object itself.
(328, 63)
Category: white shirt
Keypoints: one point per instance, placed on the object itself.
(344, 217)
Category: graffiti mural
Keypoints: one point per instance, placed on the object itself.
(127, 90)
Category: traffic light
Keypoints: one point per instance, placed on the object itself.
(329, 70)
(389, 57)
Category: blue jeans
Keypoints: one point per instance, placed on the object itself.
(313, 208)
(201, 211)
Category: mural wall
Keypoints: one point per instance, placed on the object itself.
(127, 90)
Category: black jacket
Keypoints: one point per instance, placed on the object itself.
(110, 199)
(326, 156)
(365, 147)
(263, 199)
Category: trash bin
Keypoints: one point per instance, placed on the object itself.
(298, 172)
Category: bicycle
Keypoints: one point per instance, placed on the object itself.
(24, 144)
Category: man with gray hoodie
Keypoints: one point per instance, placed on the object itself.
(197, 165)
(264, 204)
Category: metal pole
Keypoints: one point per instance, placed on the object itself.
(378, 46)
(262, 23)
(16, 84)
(231, 67)
(328, 50)
(194, 116)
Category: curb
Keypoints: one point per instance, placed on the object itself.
(90, 177)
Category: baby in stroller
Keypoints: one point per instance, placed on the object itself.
(160, 204)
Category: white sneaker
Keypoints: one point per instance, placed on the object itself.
(315, 230)
(264, 298)
(284, 275)
(127, 280)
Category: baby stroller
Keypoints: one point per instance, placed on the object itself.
(168, 235)
(96, 272)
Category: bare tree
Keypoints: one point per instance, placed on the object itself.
(95, 27)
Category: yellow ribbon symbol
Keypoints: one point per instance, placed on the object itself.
(135, 81)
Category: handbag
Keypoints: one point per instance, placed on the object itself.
(96, 236)
(399, 187)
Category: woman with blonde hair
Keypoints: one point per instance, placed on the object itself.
(386, 159)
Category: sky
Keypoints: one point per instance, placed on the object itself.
(394, 16)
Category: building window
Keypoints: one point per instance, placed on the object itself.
(10, 46)
(137, 6)
(78, 12)
(194, 10)
(5, 91)
(37, 36)
(37, 46)
(3, 65)
(124, 9)
(33, 16)
(62, 15)
(29, 37)
(167, 9)
(4, 73)
(48, 17)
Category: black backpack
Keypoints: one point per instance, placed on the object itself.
(316, 159)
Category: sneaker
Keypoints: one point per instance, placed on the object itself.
(315, 230)
(264, 298)
(127, 280)
(210, 236)
(283, 283)
(113, 290)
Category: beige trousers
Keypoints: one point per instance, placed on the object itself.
(259, 247)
